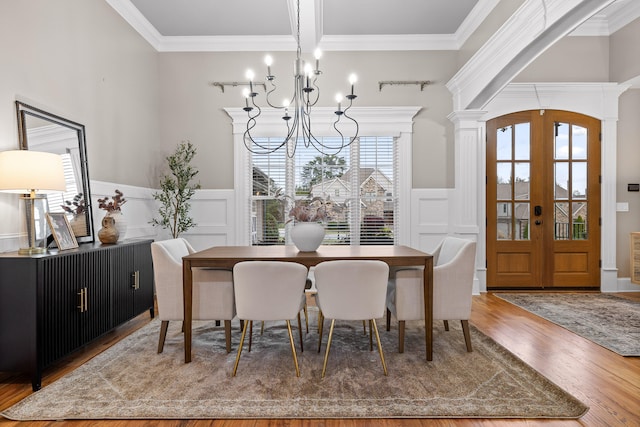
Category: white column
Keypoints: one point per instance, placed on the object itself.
(468, 203)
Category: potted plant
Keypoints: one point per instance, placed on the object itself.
(113, 208)
(176, 191)
(308, 216)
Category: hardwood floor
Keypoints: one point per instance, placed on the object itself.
(609, 384)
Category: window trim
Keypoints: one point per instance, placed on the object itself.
(396, 122)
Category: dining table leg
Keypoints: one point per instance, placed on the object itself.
(187, 295)
(428, 306)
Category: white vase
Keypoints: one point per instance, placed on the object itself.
(121, 223)
(307, 236)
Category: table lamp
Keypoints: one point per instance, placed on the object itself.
(29, 172)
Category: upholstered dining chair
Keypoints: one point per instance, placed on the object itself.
(267, 291)
(213, 297)
(454, 264)
(351, 290)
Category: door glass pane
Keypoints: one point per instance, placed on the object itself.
(504, 221)
(522, 142)
(503, 143)
(578, 143)
(561, 141)
(521, 187)
(522, 221)
(504, 181)
(561, 221)
(561, 190)
(579, 221)
(579, 180)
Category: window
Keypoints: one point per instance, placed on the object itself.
(393, 123)
(358, 184)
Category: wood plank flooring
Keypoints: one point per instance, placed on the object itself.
(609, 384)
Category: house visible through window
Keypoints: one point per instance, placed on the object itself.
(357, 185)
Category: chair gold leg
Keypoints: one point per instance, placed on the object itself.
(370, 335)
(467, 335)
(300, 332)
(364, 326)
(384, 365)
(326, 354)
(306, 317)
(250, 333)
(320, 325)
(244, 331)
(262, 328)
(227, 334)
(293, 348)
(163, 335)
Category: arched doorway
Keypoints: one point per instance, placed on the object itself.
(543, 200)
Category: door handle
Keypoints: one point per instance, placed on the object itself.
(538, 222)
(537, 210)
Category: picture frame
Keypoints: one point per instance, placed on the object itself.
(61, 231)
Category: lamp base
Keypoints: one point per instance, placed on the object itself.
(32, 251)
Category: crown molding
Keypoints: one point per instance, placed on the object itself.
(523, 37)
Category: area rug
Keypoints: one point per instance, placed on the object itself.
(131, 381)
(610, 321)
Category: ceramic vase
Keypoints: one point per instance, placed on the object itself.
(108, 234)
(307, 236)
(120, 222)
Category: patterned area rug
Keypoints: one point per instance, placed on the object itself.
(130, 380)
(610, 321)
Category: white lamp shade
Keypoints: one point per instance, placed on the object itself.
(22, 171)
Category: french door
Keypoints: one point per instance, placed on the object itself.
(543, 200)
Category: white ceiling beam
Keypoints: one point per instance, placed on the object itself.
(535, 26)
(310, 22)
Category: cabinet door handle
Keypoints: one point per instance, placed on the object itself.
(81, 295)
(86, 299)
(135, 279)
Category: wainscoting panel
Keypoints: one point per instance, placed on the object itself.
(430, 217)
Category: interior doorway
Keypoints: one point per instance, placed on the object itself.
(543, 200)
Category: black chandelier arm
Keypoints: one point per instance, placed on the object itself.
(274, 87)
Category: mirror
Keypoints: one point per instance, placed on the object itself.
(39, 130)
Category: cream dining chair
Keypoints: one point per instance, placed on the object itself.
(351, 290)
(213, 297)
(454, 264)
(266, 291)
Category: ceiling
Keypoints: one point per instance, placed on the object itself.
(256, 25)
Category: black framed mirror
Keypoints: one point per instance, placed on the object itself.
(39, 130)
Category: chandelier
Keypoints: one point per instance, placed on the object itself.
(297, 109)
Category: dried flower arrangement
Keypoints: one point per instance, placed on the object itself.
(311, 209)
(77, 206)
(113, 205)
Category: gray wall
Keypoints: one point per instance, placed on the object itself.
(625, 61)
(192, 109)
(80, 60)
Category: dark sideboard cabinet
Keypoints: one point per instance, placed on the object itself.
(53, 304)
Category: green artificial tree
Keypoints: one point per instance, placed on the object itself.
(176, 191)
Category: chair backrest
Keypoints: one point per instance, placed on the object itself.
(268, 290)
(449, 248)
(167, 273)
(453, 280)
(352, 289)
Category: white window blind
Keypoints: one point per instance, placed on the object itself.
(358, 183)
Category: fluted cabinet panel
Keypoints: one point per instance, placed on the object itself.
(50, 305)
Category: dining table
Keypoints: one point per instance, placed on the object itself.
(225, 257)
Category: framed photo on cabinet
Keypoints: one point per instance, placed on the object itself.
(61, 230)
